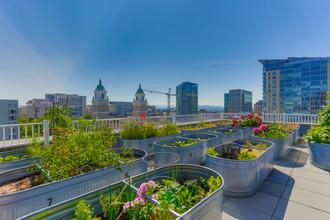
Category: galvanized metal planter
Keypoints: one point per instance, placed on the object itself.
(268, 166)
(296, 135)
(208, 208)
(242, 177)
(192, 154)
(5, 166)
(143, 144)
(319, 155)
(283, 146)
(198, 131)
(225, 135)
(15, 205)
(247, 132)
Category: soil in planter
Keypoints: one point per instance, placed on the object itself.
(21, 184)
(236, 152)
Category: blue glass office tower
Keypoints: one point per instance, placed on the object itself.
(187, 98)
(295, 85)
(238, 100)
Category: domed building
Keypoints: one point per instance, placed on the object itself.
(100, 102)
(140, 103)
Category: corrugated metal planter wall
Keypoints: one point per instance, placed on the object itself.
(283, 146)
(143, 144)
(209, 208)
(296, 135)
(319, 155)
(192, 154)
(226, 135)
(242, 177)
(15, 205)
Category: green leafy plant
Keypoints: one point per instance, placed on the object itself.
(246, 156)
(272, 131)
(200, 125)
(83, 212)
(185, 143)
(211, 151)
(259, 145)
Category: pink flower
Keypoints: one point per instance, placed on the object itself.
(128, 204)
(256, 130)
(263, 127)
(144, 187)
(152, 183)
(155, 196)
(139, 200)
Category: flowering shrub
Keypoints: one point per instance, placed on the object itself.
(271, 131)
(142, 130)
(321, 133)
(251, 120)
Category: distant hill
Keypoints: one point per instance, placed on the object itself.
(206, 107)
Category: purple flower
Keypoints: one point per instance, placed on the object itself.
(144, 187)
(256, 130)
(139, 192)
(152, 183)
(154, 196)
(128, 204)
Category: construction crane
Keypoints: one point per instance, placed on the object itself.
(168, 97)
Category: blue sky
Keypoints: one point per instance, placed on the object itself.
(66, 46)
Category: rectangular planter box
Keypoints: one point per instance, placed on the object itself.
(15, 205)
(192, 154)
(210, 139)
(319, 155)
(242, 177)
(208, 208)
(5, 166)
(143, 144)
(283, 146)
(223, 136)
(269, 154)
(296, 135)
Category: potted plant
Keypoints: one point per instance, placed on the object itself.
(225, 134)
(295, 128)
(281, 137)
(244, 165)
(142, 135)
(318, 138)
(74, 163)
(14, 159)
(172, 192)
(248, 123)
(201, 127)
(189, 150)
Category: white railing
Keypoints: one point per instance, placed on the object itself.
(12, 135)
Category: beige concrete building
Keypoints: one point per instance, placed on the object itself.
(140, 103)
(258, 106)
(100, 103)
(35, 108)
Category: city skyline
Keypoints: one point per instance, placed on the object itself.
(49, 48)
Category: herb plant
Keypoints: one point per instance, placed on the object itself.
(184, 143)
(211, 151)
(83, 212)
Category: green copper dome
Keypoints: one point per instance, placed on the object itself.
(140, 90)
(100, 86)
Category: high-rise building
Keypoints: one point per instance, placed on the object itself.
(100, 102)
(295, 85)
(187, 98)
(9, 115)
(258, 106)
(140, 103)
(35, 108)
(121, 109)
(238, 100)
(73, 102)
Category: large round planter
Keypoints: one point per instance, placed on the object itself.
(319, 155)
(210, 139)
(197, 131)
(143, 144)
(5, 166)
(283, 146)
(15, 205)
(209, 208)
(296, 135)
(191, 154)
(269, 154)
(242, 177)
(225, 135)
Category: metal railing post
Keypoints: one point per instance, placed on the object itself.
(46, 131)
(284, 118)
(174, 119)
